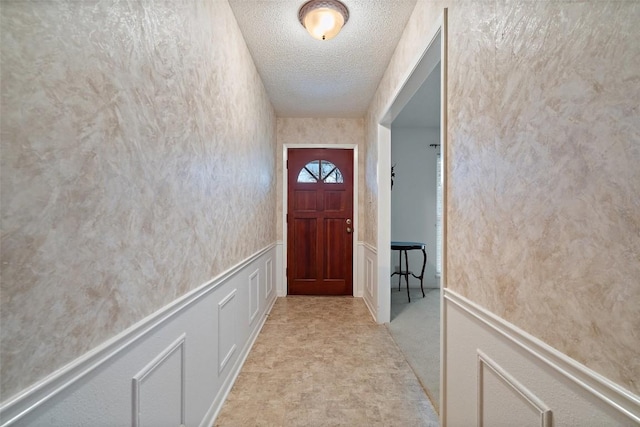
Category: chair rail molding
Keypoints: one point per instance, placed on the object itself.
(560, 366)
(69, 395)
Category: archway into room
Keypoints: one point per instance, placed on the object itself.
(402, 140)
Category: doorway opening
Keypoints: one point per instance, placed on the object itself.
(415, 155)
(412, 140)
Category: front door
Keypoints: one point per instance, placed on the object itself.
(320, 221)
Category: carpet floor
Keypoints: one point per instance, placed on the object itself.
(322, 361)
(415, 327)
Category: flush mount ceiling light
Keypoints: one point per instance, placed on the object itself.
(323, 19)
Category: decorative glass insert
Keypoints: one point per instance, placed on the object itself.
(321, 171)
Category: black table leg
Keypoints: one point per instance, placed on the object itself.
(424, 263)
(400, 272)
(405, 247)
(406, 264)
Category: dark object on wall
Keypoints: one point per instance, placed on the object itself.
(393, 175)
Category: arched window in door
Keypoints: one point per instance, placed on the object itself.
(320, 171)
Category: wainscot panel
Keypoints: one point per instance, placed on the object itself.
(367, 268)
(166, 373)
(185, 357)
(500, 374)
(281, 267)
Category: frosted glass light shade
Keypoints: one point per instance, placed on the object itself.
(323, 19)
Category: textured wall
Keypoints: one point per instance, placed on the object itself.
(544, 148)
(545, 178)
(320, 131)
(418, 27)
(138, 154)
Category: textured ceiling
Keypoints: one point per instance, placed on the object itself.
(305, 77)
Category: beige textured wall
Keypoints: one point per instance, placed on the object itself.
(320, 131)
(544, 148)
(138, 154)
(418, 28)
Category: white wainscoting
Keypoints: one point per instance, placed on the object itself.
(503, 400)
(166, 372)
(368, 272)
(498, 375)
(281, 267)
(173, 367)
(227, 334)
(268, 267)
(254, 292)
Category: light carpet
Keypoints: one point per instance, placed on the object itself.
(415, 327)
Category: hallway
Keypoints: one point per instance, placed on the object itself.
(323, 361)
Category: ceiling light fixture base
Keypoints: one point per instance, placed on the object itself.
(323, 19)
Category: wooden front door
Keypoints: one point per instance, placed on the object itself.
(320, 221)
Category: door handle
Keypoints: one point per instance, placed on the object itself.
(348, 229)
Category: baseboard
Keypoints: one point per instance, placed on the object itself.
(372, 309)
(67, 396)
(473, 332)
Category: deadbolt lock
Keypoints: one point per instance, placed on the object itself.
(348, 221)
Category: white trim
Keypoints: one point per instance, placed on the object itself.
(444, 147)
(383, 309)
(443, 357)
(369, 247)
(223, 360)
(254, 287)
(423, 64)
(368, 265)
(371, 308)
(439, 211)
(138, 379)
(356, 225)
(367, 258)
(268, 267)
(216, 406)
(606, 390)
(32, 397)
(281, 266)
(544, 412)
(361, 259)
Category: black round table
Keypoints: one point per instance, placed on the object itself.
(403, 247)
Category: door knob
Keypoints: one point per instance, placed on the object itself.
(348, 229)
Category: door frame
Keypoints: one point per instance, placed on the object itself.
(427, 59)
(357, 287)
(422, 66)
